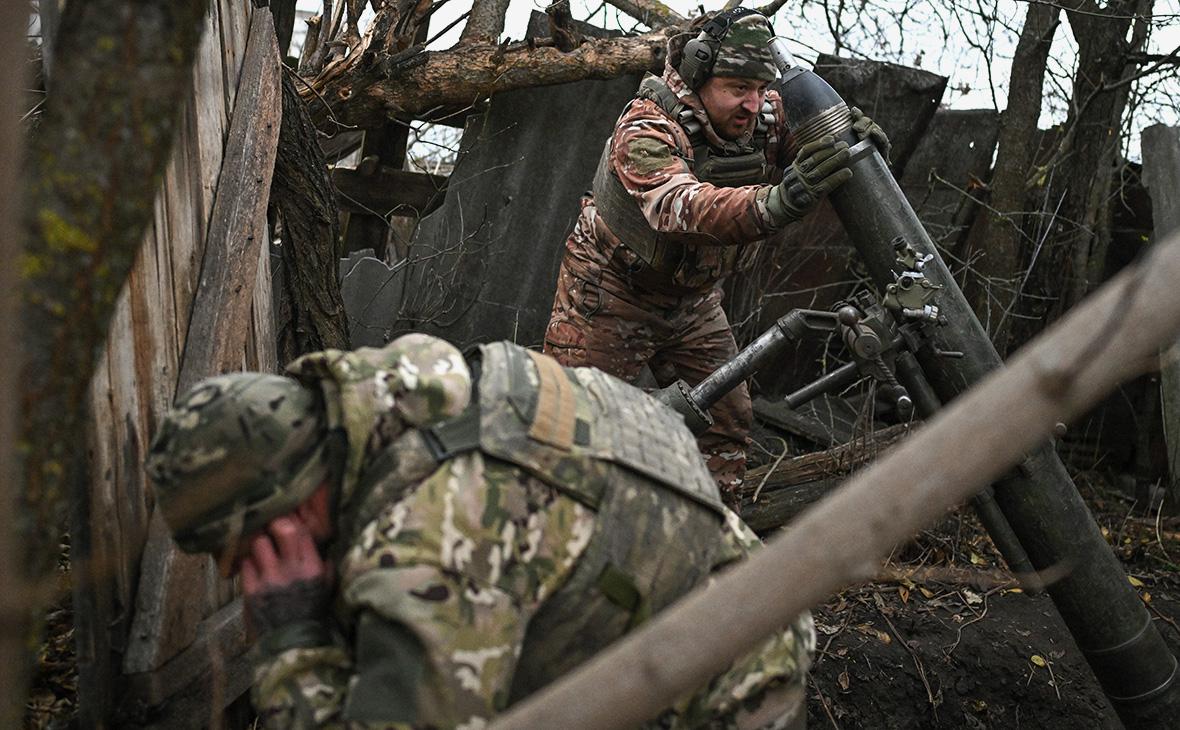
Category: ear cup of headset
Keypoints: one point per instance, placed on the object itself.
(697, 60)
(696, 63)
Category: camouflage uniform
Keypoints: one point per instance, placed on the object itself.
(616, 312)
(476, 566)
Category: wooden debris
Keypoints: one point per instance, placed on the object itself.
(796, 483)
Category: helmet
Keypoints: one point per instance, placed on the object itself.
(234, 453)
(732, 43)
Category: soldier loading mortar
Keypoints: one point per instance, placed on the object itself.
(1037, 500)
(699, 173)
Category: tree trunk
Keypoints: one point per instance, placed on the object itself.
(283, 12)
(1003, 226)
(1082, 171)
(312, 317)
(368, 88)
(123, 70)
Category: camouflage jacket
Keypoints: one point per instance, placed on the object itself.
(652, 156)
(444, 568)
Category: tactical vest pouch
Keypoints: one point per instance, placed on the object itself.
(613, 424)
(733, 172)
(620, 580)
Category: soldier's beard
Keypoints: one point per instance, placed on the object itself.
(733, 126)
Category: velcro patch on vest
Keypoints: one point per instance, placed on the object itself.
(556, 417)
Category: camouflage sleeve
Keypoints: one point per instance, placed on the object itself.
(650, 155)
(440, 588)
(765, 688)
(375, 393)
(302, 687)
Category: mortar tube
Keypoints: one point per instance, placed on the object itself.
(1098, 605)
(927, 403)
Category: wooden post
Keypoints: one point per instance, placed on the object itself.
(1161, 175)
(14, 595)
(1106, 340)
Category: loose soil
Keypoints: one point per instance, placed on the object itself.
(949, 640)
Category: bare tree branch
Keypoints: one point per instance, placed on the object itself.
(367, 94)
(772, 7)
(652, 13)
(486, 22)
(14, 593)
(1001, 232)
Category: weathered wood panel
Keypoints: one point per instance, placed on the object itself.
(136, 381)
(217, 341)
(1161, 175)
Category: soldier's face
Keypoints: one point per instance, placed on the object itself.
(732, 103)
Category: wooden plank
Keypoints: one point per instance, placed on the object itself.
(92, 554)
(1161, 175)
(235, 40)
(217, 328)
(211, 123)
(212, 672)
(387, 190)
(263, 322)
(166, 612)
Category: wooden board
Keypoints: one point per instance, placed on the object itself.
(134, 384)
(219, 334)
(1161, 175)
(387, 190)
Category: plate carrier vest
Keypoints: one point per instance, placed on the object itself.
(727, 168)
(608, 446)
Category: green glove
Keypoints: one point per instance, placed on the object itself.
(866, 128)
(819, 168)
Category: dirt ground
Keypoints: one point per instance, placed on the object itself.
(946, 640)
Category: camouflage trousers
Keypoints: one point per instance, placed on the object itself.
(438, 593)
(601, 320)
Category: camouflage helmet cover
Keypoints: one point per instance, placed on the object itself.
(234, 453)
(745, 49)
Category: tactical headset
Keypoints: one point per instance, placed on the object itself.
(701, 52)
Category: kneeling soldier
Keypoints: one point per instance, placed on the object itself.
(423, 540)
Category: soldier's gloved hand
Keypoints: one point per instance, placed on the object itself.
(819, 168)
(865, 128)
(287, 587)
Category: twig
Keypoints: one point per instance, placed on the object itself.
(824, 651)
(323, 101)
(1168, 619)
(1052, 679)
(959, 636)
(917, 662)
(770, 471)
(823, 700)
(1158, 537)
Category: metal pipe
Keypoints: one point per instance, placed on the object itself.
(993, 519)
(838, 379)
(789, 328)
(1099, 606)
